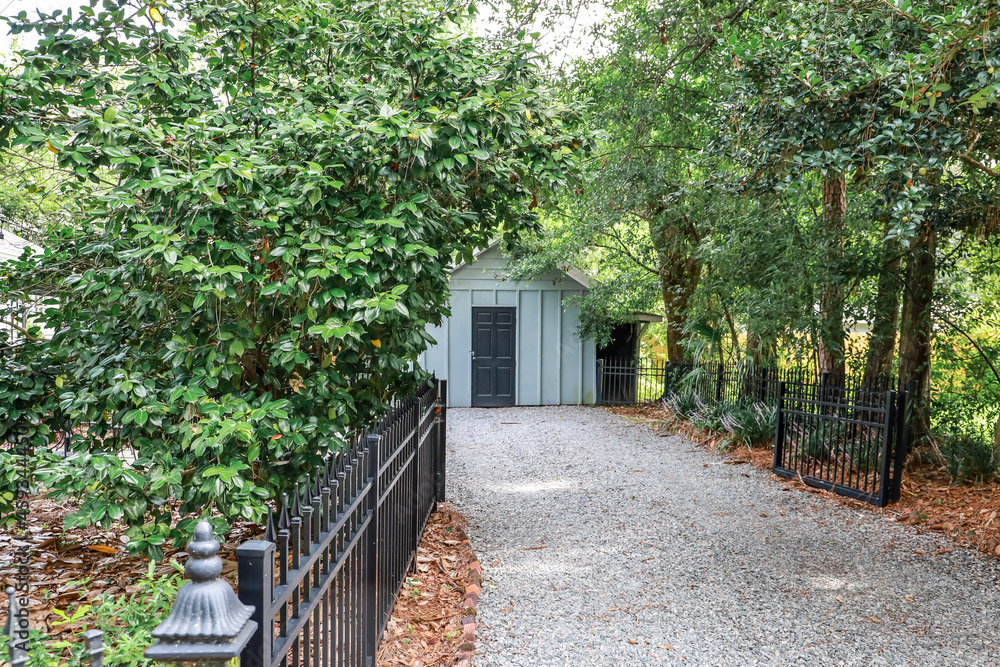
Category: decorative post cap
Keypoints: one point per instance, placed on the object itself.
(207, 623)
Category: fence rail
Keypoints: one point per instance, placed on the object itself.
(639, 382)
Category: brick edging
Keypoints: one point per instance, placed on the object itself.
(472, 590)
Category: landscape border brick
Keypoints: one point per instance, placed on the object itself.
(467, 648)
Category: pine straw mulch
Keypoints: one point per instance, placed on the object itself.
(429, 626)
(965, 513)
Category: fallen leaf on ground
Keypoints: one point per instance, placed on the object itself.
(104, 549)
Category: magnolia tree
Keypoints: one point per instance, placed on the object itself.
(268, 196)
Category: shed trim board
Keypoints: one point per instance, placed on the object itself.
(552, 365)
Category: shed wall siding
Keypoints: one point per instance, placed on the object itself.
(553, 365)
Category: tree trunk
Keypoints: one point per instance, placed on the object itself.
(885, 321)
(678, 279)
(753, 347)
(679, 276)
(916, 328)
(831, 333)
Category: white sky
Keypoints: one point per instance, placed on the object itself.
(14, 7)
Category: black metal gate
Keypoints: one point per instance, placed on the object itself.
(850, 441)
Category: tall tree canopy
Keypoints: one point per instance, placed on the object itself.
(806, 182)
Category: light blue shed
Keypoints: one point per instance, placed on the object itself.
(513, 343)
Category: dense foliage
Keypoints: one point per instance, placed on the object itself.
(267, 198)
(801, 183)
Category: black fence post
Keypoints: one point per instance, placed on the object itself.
(371, 611)
(440, 474)
(600, 381)
(720, 378)
(779, 431)
(888, 439)
(255, 574)
(824, 383)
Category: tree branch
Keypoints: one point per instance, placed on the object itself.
(635, 259)
(21, 329)
(964, 157)
(989, 363)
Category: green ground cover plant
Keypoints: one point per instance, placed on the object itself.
(125, 619)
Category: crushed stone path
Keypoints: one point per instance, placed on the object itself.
(606, 544)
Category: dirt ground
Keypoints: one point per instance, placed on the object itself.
(426, 627)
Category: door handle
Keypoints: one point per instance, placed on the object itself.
(473, 353)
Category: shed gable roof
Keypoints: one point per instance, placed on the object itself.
(493, 253)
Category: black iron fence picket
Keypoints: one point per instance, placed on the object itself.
(343, 550)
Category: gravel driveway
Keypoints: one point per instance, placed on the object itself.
(605, 544)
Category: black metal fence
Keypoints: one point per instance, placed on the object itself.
(342, 550)
(850, 441)
(840, 434)
(639, 382)
(319, 589)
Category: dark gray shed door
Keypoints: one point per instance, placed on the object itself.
(493, 354)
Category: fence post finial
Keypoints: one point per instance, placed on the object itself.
(207, 623)
(13, 610)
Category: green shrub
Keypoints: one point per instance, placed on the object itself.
(709, 417)
(255, 249)
(683, 405)
(752, 423)
(969, 457)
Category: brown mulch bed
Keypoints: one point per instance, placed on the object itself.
(968, 514)
(430, 624)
